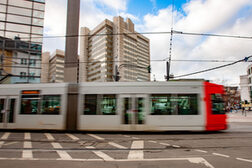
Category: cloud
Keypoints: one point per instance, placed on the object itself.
(214, 16)
(115, 4)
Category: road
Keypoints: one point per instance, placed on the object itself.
(231, 148)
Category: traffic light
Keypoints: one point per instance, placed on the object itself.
(149, 69)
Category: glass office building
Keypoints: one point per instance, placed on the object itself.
(21, 36)
(22, 18)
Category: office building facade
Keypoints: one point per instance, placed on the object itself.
(53, 67)
(113, 47)
(21, 25)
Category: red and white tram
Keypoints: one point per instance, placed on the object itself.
(117, 106)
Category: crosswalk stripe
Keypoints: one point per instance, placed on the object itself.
(27, 136)
(96, 137)
(72, 137)
(27, 154)
(49, 136)
(1, 143)
(101, 154)
(27, 144)
(136, 154)
(63, 154)
(5, 135)
(117, 145)
(56, 145)
(166, 144)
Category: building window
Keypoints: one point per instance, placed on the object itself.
(23, 61)
(22, 75)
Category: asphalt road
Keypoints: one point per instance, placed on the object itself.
(231, 148)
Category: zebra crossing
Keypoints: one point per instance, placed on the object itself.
(29, 146)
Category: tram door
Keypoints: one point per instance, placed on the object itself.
(133, 109)
(7, 110)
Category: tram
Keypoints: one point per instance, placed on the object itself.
(113, 106)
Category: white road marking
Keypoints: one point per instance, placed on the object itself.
(198, 150)
(63, 154)
(56, 145)
(166, 144)
(197, 160)
(117, 145)
(1, 143)
(5, 135)
(246, 160)
(27, 136)
(27, 144)
(49, 136)
(200, 161)
(73, 137)
(27, 154)
(96, 137)
(101, 154)
(136, 154)
(175, 146)
(218, 154)
(10, 143)
(153, 141)
(126, 136)
(135, 138)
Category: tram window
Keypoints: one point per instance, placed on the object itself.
(171, 104)
(1, 109)
(108, 104)
(99, 104)
(29, 104)
(50, 104)
(217, 104)
(90, 104)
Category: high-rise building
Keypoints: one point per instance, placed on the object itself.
(114, 47)
(53, 67)
(22, 18)
(21, 32)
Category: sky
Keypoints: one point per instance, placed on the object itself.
(230, 17)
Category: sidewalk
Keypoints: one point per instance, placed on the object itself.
(238, 117)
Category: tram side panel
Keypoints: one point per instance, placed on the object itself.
(39, 106)
(216, 118)
(175, 107)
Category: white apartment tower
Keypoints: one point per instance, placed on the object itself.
(110, 46)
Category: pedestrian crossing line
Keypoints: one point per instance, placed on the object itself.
(153, 141)
(101, 154)
(127, 136)
(10, 143)
(166, 144)
(5, 136)
(136, 154)
(96, 137)
(27, 144)
(1, 143)
(135, 138)
(246, 160)
(27, 153)
(218, 154)
(63, 154)
(27, 136)
(56, 145)
(49, 136)
(175, 146)
(117, 145)
(198, 150)
(73, 137)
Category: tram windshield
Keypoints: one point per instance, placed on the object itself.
(218, 106)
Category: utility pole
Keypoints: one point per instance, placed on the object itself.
(71, 48)
(71, 62)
